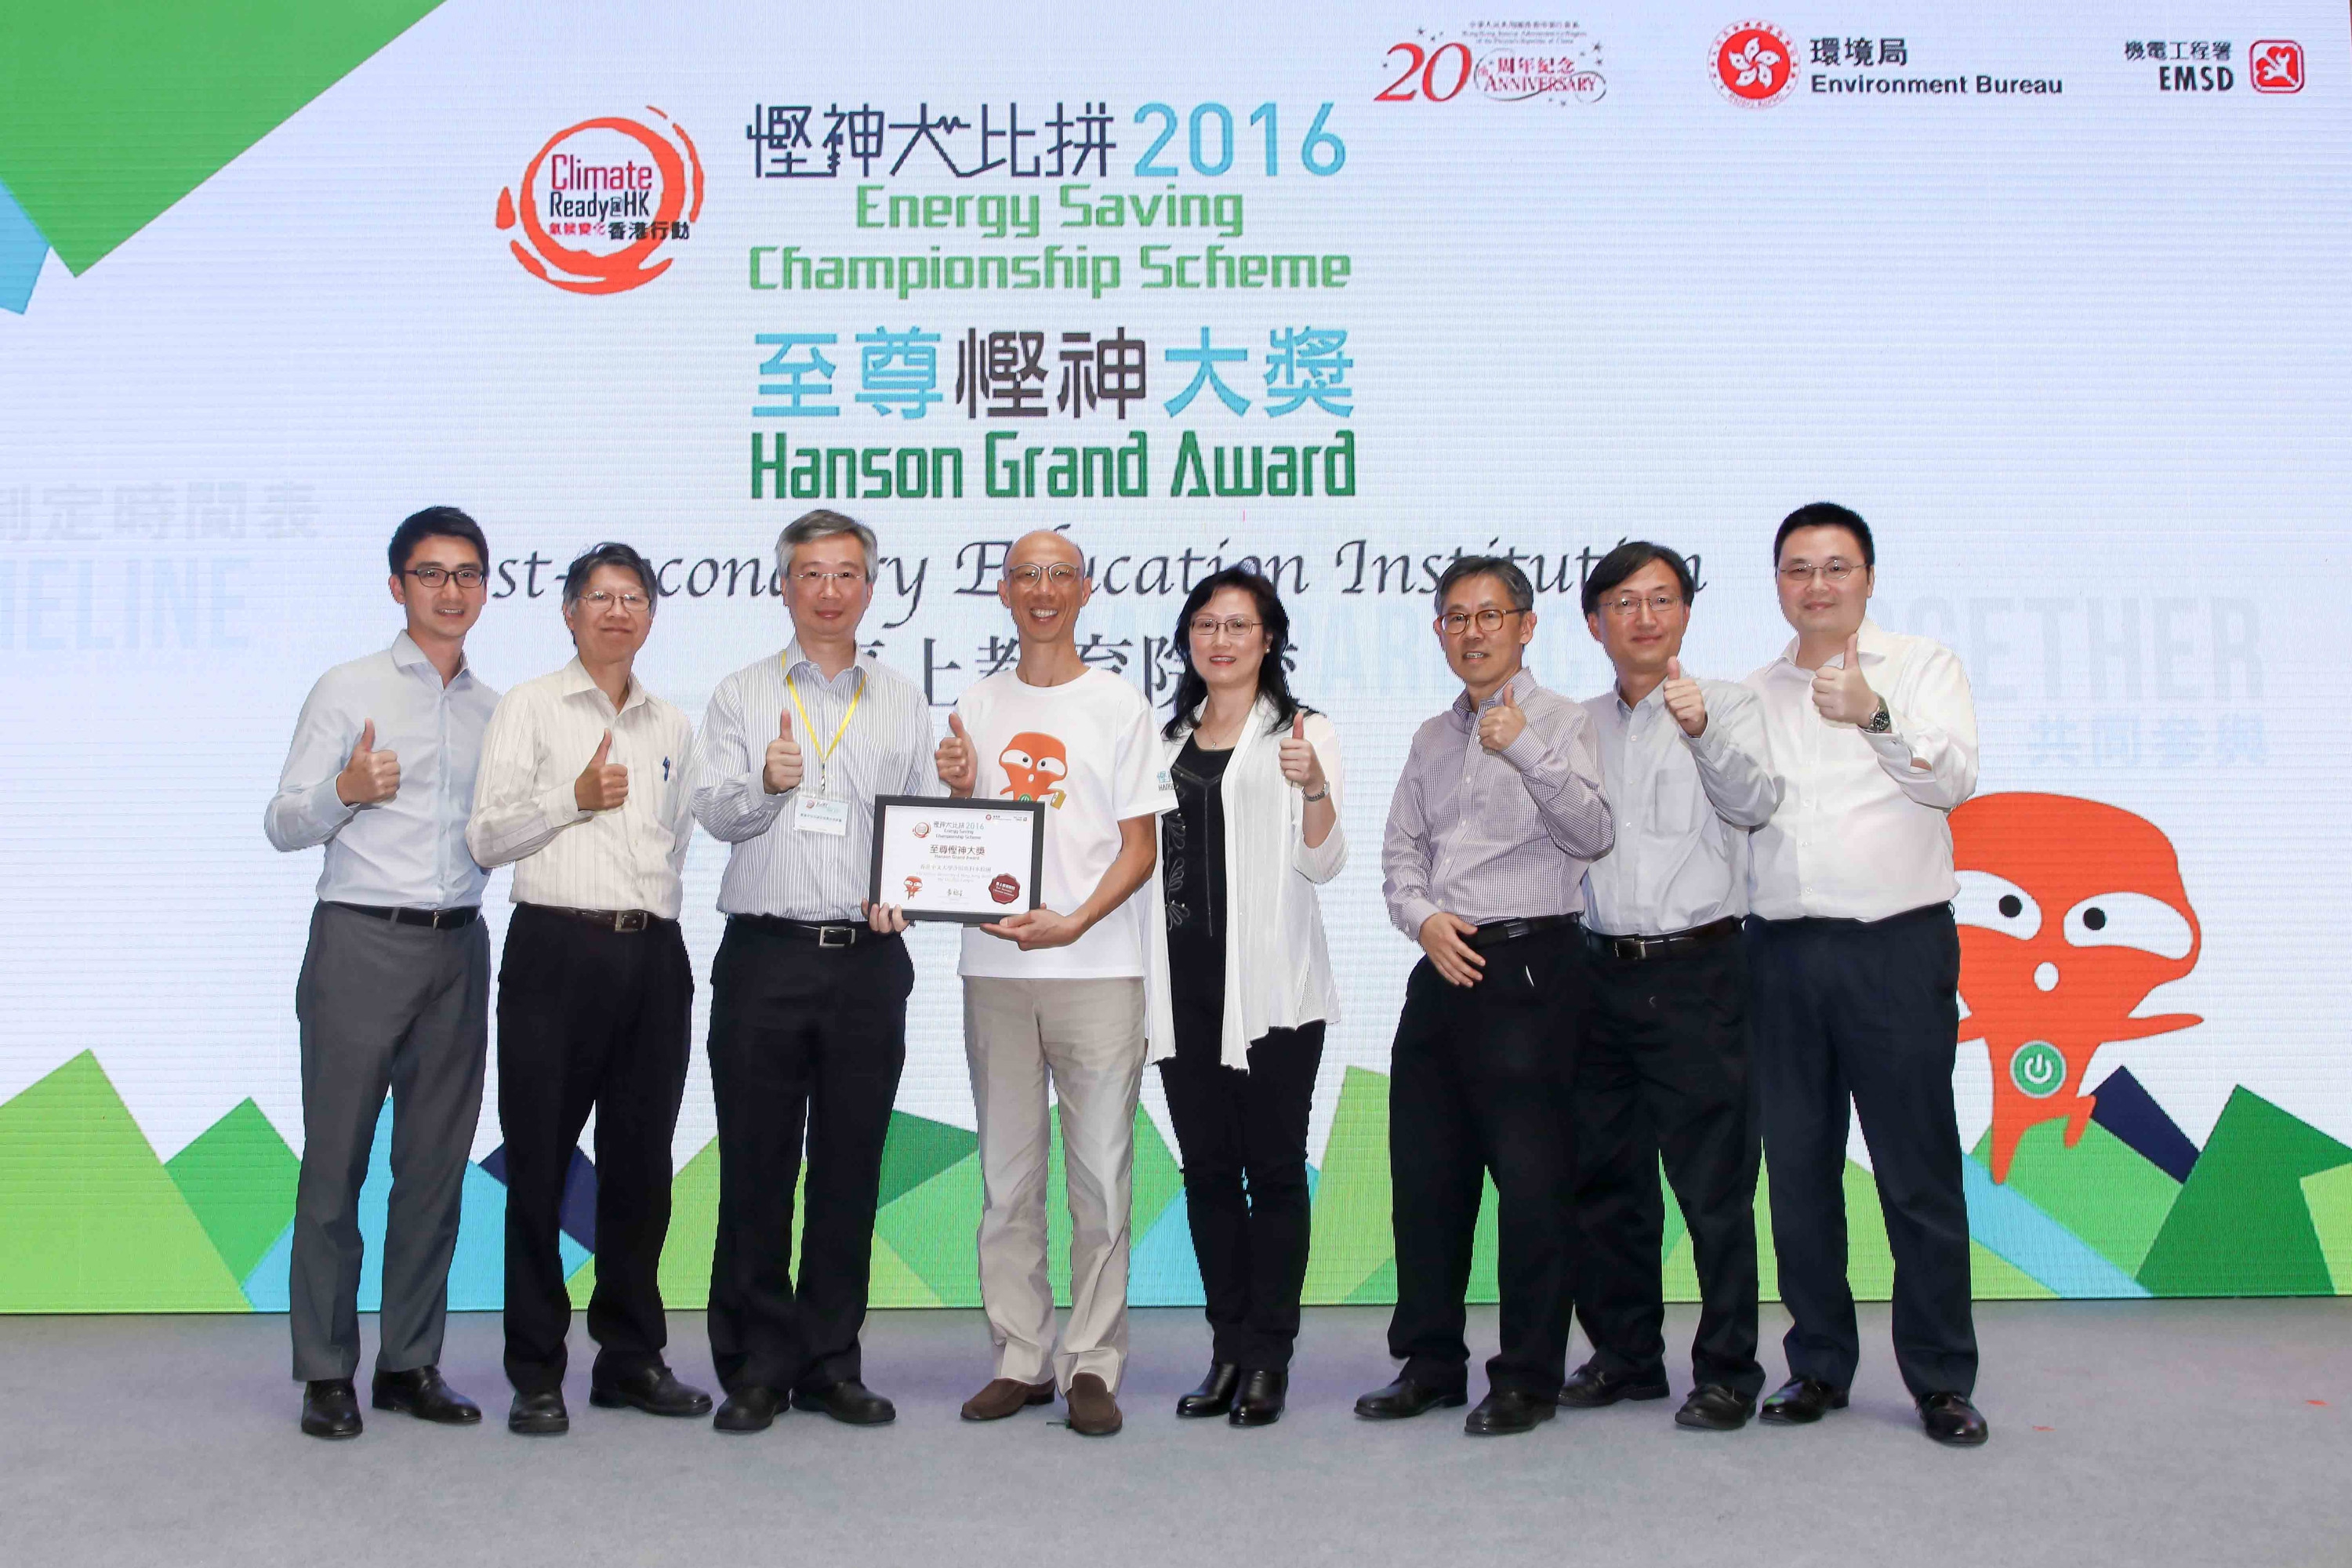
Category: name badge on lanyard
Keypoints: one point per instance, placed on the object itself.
(826, 813)
(818, 810)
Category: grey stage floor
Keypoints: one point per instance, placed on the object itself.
(2123, 1432)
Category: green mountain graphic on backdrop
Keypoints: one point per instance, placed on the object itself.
(92, 1221)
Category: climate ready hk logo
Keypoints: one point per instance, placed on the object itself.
(1755, 65)
(600, 203)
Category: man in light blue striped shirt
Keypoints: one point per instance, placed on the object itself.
(808, 1006)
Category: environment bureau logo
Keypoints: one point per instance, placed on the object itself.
(599, 203)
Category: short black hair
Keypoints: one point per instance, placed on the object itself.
(1826, 514)
(612, 552)
(1502, 568)
(434, 522)
(1627, 558)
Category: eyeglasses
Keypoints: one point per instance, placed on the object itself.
(599, 600)
(1625, 606)
(1206, 627)
(1061, 575)
(820, 580)
(434, 577)
(1454, 623)
(1797, 572)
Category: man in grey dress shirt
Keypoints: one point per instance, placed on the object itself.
(808, 1001)
(394, 990)
(1497, 812)
(1664, 1069)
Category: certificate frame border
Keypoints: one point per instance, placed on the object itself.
(1036, 808)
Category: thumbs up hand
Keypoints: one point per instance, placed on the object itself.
(1685, 700)
(957, 760)
(1501, 724)
(370, 776)
(1300, 765)
(1840, 693)
(782, 770)
(602, 784)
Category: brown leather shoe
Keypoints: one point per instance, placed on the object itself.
(1007, 1396)
(1093, 1412)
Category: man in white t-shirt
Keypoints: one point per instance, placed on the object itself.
(1057, 992)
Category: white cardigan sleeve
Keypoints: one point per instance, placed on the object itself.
(1323, 861)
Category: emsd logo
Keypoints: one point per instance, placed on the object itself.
(600, 200)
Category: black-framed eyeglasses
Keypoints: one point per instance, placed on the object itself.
(434, 577)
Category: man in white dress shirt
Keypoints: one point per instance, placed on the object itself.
(1664, 1068)
(584, 789)
(808, 1001)
(395, 985)
(1857, 964)
(1055, 994)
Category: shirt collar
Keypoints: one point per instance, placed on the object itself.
(577, 680)
(1875, 645)
(1655, 698)
(406, 655)
(1520, 688)
(795, 660)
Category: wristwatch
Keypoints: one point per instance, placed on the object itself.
(1323, 793)
(1881, 722)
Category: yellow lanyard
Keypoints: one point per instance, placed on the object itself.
(825, 757)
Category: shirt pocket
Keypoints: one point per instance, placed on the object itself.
(1678, 803)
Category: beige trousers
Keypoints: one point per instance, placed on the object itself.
(1086, 1037)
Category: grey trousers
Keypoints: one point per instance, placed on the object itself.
(404, 1008)
(1086, 1039)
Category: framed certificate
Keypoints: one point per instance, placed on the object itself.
(971, 861)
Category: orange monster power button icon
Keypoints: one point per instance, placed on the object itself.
(599, 201)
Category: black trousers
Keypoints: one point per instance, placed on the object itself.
(1663, 1073)
(1242, 1139)
(1867, 1011)
(811, 1040)
(589, 1018)
(1480, 1085)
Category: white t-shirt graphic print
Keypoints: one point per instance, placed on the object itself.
(1087, 749)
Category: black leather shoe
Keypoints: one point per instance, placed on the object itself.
(1215, 1394)
(1404, 1398)
(1506, 1411)
(750, 1408)
(655, 1389)
(1589, 1387)
(1260, 1402)
(421, 1393)
(1712, 1408)
(330, 1407)
(1801, 1400)
(538, 1415)
(1950, 1418)
(848, 1401)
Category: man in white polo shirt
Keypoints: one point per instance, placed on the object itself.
(1856, 965)
(1057, 992)
(584, 790)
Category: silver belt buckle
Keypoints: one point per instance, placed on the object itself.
(825, 935)
(629, 920)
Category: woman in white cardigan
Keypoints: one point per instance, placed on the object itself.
(1239, 979)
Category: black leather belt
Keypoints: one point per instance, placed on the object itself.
(824, 934)
(1494, 933)
(1672, 945)
(606, 919)
(437, 920)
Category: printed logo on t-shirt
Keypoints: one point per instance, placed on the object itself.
(1034, 765)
